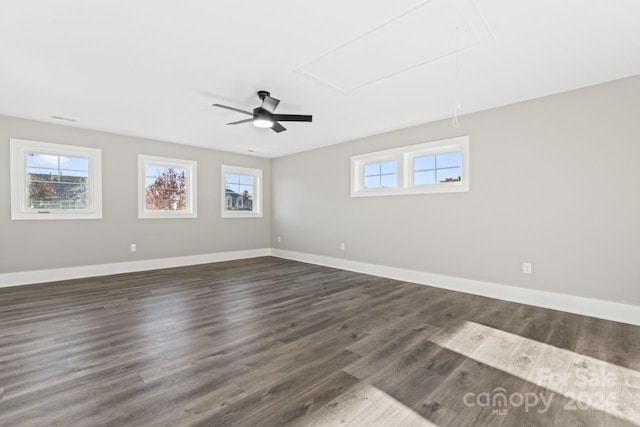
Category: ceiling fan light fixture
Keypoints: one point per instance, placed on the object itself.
(264, 116)
(262, 122)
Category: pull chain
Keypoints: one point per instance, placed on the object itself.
(456, 106)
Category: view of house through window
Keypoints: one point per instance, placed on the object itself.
(239, 192)
(165, 188)
(57, 182)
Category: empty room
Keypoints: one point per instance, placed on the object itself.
(360, 213)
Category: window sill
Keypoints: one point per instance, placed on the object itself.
(426, 189)
(167, 215)
(241, 214)
(41, 216)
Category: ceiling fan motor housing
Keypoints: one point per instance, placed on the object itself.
(261, 113)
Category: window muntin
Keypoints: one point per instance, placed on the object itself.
(381, 174)
(167, 188)
(432, 167)
(241, 192)
(55, 181)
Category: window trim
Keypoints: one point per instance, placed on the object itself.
(192, 190)
(404, 156)
(257, 197)
(18, 169)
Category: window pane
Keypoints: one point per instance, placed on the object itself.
(448, 160)
(424, 163)
(239, 198)
(165, 188)
(57, 195)
(232, 178)
(42, 160)
(45, 167)
(449, 175)
(74, 163)
(424, 177)
(389, 180)
(372, 181)
(246, 179)
(389, 167)
(372, 169)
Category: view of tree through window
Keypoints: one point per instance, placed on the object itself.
(239, 192)
(165, 188)
(57, 182)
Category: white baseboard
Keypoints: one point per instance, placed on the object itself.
(619, 312)
(56, 274)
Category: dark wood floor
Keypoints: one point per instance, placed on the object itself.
(268, 342)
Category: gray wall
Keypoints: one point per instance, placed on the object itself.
(554, 181)
(33, 245)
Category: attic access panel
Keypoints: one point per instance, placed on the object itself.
(419, 36)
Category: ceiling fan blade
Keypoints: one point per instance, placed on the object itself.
(277, 127)
(292, 118)
(270, 104)
(239, 122)
(232, 109)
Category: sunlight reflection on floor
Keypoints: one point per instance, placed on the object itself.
(366, 405)
(590, 382)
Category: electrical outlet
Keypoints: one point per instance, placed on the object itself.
(342, 247)
(133, 247)
(279, 239)
(526, 267)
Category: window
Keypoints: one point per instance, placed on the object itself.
(432, 167)
(242, 192)
(54, 181)
(167, 188)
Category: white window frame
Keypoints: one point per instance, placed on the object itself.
(19, 148)
(405, 156)
(191, 168)
(257, 196)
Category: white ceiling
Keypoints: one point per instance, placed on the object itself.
(153, 68)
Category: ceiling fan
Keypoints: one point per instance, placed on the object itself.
(264, 116)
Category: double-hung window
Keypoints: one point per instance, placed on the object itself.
(55, 181)
(241, 192)
(166, 187)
